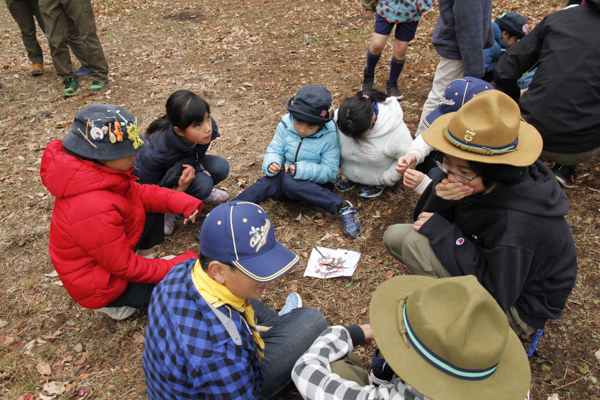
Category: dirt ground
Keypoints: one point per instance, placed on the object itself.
(246, 58)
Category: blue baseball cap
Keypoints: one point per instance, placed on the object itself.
(241, 233)
(458, 92)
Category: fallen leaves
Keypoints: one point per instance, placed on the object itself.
(43, 368)
(81, 360)
(54, 388)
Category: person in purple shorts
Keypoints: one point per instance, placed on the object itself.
(405, 16)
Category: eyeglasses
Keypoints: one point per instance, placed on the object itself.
(461, 178)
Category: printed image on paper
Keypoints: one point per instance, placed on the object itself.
(327, 263)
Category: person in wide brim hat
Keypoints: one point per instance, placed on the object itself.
(444, 339)
(496, 212)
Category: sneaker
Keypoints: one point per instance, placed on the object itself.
(117, 313)
(98, 86)
(367, 82)
(344, 185)
(71, 87)
(293, 301)
(369, 192)
(350, 223)
(391, 88)
(82, 72)
(381, 372)
(36, 69)
(565, 175)
(217, 196)
(169, 223)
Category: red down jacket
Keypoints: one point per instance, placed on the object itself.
(98, 218)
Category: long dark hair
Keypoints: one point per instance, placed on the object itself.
(184, 108)
(355, 113)
(497, 173)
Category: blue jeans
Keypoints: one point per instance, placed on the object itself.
(203, 183)
(283, 186)
(290, 336)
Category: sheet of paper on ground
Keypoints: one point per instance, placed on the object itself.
(331, 263)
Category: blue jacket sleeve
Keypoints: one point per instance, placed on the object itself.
(151, 166)
(491, 56)
(276, 150)
(327, 170)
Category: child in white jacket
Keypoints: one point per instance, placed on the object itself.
(372, 136)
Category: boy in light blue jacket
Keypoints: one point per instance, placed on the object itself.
(303, 158)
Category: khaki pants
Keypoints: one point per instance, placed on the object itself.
(23, 12)
(57, 14)
(350, 368)
(570, 159)
(411, 248)
(446, 71)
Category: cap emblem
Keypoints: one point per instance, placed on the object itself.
(470, 135)
(259, 235)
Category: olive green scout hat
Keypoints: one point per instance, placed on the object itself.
(449, 339)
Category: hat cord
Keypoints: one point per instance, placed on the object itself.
(401, 324)
(478, 149)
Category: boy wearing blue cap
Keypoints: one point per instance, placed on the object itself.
(303, 159)
(508, 28)
(422, 156)
(207, 335)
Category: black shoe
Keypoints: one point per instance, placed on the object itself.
(565, 175)
(391, 88)
(367, 82)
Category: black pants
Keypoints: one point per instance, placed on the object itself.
(137, 295)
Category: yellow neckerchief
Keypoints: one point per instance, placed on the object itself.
(217, 295)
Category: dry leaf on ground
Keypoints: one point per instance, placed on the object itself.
(43, 368)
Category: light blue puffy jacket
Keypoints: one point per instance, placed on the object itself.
(317, 157)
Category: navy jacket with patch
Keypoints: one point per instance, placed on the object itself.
(515, 240)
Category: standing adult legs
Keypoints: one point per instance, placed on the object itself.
(55, 20)
(23, 12)
(447, 71)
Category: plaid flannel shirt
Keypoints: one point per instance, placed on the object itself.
(314, 379)
(188, 352)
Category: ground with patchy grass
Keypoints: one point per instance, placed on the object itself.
(246, 58)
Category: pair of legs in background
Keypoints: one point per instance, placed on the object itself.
(24, 12)
(58, 14)
(411, 248)
(405, 32)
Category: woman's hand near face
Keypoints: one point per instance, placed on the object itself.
(452, 190)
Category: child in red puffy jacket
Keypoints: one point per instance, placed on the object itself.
(104, 224)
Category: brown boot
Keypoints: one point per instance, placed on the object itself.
(37, 69)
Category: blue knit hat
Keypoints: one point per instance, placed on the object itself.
(514, 23)
(456, 95)
(94, 134)
(312, 103)
(241, 233)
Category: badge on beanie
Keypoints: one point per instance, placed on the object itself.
(259, 235)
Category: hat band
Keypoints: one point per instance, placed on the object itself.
(441, 364)
(478, 149)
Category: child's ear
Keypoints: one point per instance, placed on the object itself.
(505, 35)
(178, 131)
(373, 119)
(216, 271)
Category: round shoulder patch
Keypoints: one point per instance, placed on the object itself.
(460, 241)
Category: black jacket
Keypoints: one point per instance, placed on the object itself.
(515, 240)
(563, 100)
(167, 149)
